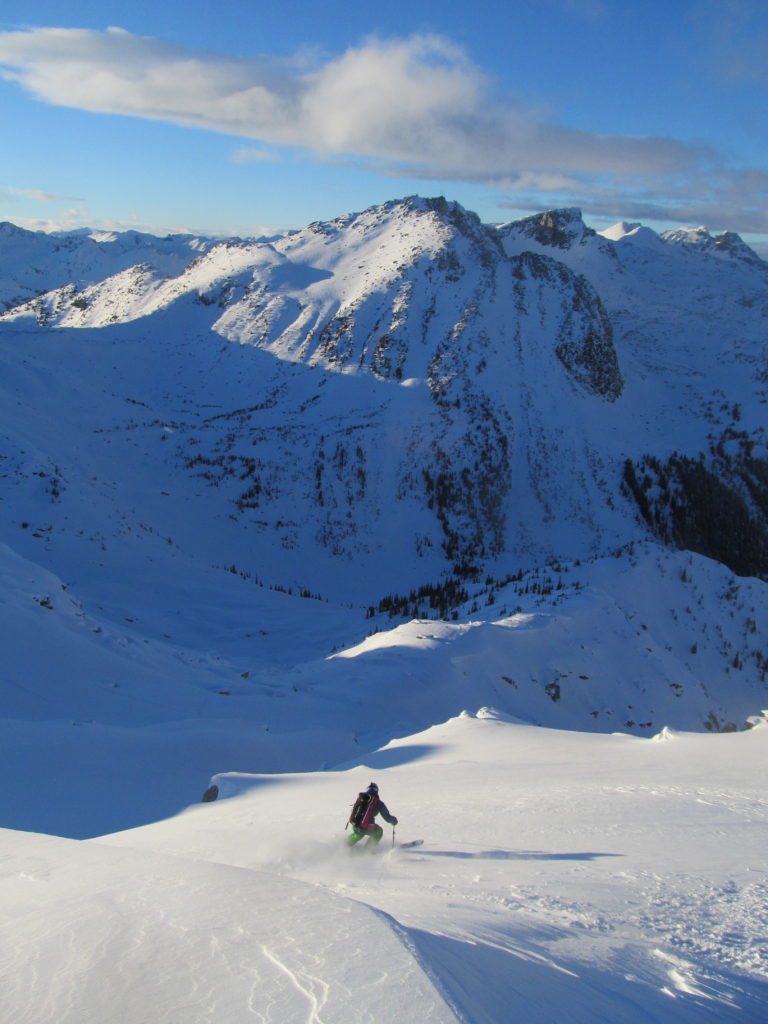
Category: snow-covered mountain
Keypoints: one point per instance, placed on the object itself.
(421, 393)
(271, 510)
(405, 411)
(33, 262)
(395, 351)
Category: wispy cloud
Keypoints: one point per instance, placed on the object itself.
(415, 102)
(35, 194)
(253, 155)
(416, 106)
(721, 198)
(81, 219)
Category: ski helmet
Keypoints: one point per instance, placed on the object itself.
(373, 788)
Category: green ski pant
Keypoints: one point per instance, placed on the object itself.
(374, 833)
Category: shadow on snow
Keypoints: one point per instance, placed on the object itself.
(512, 855)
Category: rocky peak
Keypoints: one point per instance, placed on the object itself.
(464, 223)
(727, 243)
(734, 245)
(695, 238)
(555, 229)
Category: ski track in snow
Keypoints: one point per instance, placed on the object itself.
(314, 989)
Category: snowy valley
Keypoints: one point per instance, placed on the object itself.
(478, 511)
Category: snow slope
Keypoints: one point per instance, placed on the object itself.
(148, 709)
(140, 937)
(563, 876)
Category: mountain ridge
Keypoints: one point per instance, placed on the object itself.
(419, 293)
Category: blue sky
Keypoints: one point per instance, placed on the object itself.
(242, 117)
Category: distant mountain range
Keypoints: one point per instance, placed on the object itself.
(429, 394)
(404, 411)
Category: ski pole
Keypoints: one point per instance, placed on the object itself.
(393, 837)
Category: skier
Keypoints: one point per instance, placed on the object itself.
(362, 818)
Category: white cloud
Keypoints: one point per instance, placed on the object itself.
(416, 107)
(35, 194)
(417, 104)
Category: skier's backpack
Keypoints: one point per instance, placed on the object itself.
(360, 808)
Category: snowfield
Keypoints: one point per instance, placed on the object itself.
(564, 876)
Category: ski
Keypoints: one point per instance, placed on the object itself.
(409, 846)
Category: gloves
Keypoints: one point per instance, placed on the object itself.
(394, 821)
